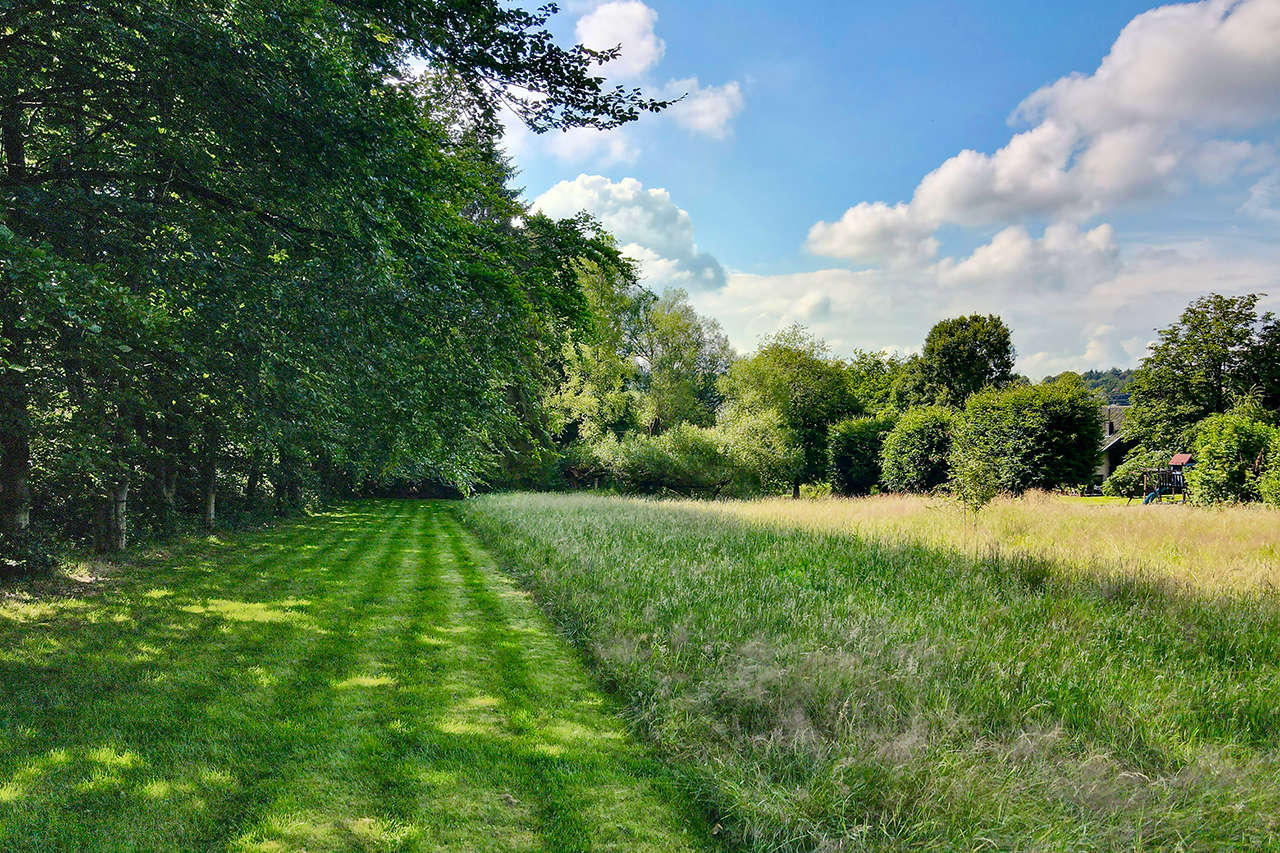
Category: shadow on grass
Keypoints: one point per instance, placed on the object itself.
(352, 681)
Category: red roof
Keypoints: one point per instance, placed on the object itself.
(1180, 459)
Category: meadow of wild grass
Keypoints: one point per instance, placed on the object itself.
(1207, 549)
(871, 675)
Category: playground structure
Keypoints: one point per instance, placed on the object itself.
(1168, 483)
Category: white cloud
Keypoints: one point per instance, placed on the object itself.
(1016, 260)
(875, 233)
(583, 143)
(1213, 64)
(647, 224)
(707, 110)
(1164, 109)
(1189, 95)
(1074, 297)
(628, 23)
(1264, 198)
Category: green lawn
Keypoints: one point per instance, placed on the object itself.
(833, 691)
(360, 680)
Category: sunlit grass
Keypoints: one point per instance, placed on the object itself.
(361, 680)
(1227, 548)
(878, 674)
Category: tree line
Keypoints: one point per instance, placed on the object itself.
(649, 397)
(248, 257)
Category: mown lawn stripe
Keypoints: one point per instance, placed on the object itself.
(331, 684)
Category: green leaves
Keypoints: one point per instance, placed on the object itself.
(1027, 437)
(242, 236)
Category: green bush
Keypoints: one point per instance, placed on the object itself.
(1027, 437)
(915, 451)
(760, 449)
(25, 554)
(1269, 482)
(1230, 452)
(1126, 480)
(853, 448)
(687, 460)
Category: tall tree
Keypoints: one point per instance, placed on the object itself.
(682, 355)
(792, 373)
(337, 282)
(1219, 351)
(963, 355)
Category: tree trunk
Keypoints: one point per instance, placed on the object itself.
(253, 485)
(15, 461)
(209, 476)
(795, 490)
(15, 447)
(113, 520)
(166, 484)
(210, 497)
(288, 489)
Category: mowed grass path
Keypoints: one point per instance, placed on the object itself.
(360, 680)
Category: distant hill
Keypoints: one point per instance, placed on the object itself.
(1113, 383)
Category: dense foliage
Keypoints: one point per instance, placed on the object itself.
(961, 356)
(1269, 482)
(241, 245)
(914, 456)
(1029, 437)
(1220, 352)
(1230, 452)
(1127, 480)
(853, 448)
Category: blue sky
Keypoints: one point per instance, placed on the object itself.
(782, 189)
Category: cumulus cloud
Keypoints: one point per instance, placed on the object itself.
(1014, 259)
(1074, 296)
(1166, 107)
(583, 143)
(707, 110)
(628, 23)
(647, 224)
(1189, 95)
(875, 233)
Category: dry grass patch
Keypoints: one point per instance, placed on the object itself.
(1229, 548)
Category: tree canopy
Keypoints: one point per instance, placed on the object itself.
(244, 244)
(1220, 351)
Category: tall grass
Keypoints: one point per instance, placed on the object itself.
(1211, 550)
(824, 689)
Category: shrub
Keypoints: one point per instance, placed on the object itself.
(1269, 482)
(1027, 437)
(762, 452)
(853, 448)
(915, 451)
(1230, 452)
(1126, 480)
(25, 554)
(686, 459)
